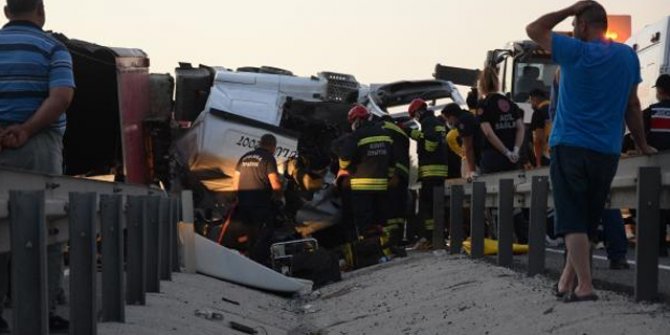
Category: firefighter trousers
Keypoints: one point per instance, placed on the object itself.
(426, 206)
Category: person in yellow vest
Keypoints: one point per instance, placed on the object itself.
(540, 126)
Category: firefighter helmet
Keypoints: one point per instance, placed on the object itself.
(358, 112)
(416, 105)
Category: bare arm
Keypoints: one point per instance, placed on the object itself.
(540, 30)
(635, 124)
(539, 142)
(275, 183)
(520, 132)
(469, 151)
(56, 103)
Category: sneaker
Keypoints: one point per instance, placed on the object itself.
(58, 325)
(4, 327)
(619, 264)
(553, 242)
(422, 245)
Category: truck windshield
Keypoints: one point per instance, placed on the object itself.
(534, 74)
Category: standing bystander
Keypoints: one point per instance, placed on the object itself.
(35, 92)
(36, 88)
(598, 90)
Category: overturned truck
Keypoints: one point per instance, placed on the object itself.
(125, 126)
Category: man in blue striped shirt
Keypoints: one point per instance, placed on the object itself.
(36, 87)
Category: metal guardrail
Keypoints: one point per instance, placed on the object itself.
(641, 183)
(37, 209)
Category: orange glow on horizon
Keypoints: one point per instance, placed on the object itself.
(619, 28)
(612, 35)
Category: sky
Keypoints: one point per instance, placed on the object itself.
(375, 40)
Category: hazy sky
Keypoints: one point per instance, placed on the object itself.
(375, 40)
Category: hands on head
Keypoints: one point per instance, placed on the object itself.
(580, 6)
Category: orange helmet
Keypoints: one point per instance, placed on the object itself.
(416, 105)
(358, 112)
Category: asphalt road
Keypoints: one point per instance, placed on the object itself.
(615, 280)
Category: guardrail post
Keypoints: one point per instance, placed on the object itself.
(505, 222)
(648, 217)
(111, 229)
(538, 225)
(174, 245)
(438, 217)
(83, 297)
(29, 265)
(456, 219)
(165, 217)
(153, 245)
(186, 235)
(477, 223)
(136, 273)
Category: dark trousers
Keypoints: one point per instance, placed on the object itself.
(259, 226)
(426, 206)
(369, 211)
(614, 234)
(663, 232)
(398, 195)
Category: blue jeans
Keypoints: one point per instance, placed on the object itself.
(615, 234)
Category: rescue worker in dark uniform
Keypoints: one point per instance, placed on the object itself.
(367, 158)
(257, 183)
(469, 138)
(432, 152)
(657, 128)
(398, 189)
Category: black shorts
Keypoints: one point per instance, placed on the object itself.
(581, 181)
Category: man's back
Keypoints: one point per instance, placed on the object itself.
(254, 185)
(31, 63)
(595, 85)
(370, 151)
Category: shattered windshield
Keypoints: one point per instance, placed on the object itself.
(536, 74)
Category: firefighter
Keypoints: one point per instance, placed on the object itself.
(432, 163)
(367, 158)
(398, 189)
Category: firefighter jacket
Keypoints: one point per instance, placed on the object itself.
(431, 147)
(400, 148)
(368, 158)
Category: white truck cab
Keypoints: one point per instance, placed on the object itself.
(523, 66)
(652, 45)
